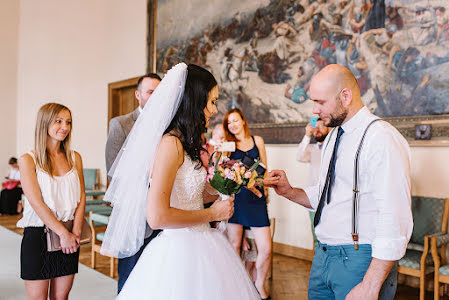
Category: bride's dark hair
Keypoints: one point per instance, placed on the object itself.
(189, 123)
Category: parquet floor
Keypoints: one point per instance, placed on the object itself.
(290, 275)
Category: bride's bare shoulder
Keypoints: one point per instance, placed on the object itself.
(171, 144)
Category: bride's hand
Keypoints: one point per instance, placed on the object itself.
(223, 209)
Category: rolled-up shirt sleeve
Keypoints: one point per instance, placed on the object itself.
(392, 193)
(312, 193)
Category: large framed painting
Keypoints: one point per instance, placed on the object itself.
(265, 52)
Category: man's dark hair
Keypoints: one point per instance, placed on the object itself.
(149, 75)
(12, 161)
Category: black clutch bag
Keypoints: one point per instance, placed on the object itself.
(249, 161)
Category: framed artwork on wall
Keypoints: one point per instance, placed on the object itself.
(264, 53)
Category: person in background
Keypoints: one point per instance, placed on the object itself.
(218, 135)
(119, 128)
(12, 191)
(311, 153)
(250, 210)
(53, 183)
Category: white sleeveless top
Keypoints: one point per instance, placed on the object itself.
(60, 193)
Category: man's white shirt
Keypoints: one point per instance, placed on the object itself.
(385, 217)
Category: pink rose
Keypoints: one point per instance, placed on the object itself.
(230, 175)
(209, 177)
(211, 170)
(247, 174)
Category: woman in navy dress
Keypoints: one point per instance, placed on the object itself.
(249, 209)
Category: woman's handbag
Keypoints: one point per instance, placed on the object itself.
(54, 242)
(10, 185)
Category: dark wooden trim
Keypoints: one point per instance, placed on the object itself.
(293, 133)
(279, 133)
(296, 252)
(151, 35)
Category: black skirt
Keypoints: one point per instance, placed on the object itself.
(36, 263)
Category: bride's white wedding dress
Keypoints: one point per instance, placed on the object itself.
(193, 263)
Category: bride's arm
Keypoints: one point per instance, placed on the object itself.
(160, 215)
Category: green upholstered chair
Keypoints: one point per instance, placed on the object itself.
(438, 245)
(98, 224)
(92, 183)
(429, 218)
(312, 217)
(102, 208)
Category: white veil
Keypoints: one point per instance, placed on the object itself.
(132, 168)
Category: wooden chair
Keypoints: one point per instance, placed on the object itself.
(92, 184)
(312, 218)
(98, 224)
(102, 208)
(438, 246)
(430, 218)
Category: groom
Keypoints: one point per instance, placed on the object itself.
(354, 264)
(119, 128)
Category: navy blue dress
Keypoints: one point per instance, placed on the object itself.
(249, 210)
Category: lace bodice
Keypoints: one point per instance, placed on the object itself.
(187, 192)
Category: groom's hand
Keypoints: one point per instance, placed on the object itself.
(277, 179)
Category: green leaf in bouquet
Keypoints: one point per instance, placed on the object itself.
(218, 183)
(224, 185)
(255, 165)
(231, 186)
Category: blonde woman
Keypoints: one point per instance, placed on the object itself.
(53, 183)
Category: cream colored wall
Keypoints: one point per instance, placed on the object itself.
(429, 173)
(9, 26)
(69, 51)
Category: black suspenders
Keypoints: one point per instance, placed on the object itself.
(355, 189)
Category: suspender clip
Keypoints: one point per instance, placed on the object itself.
(355, 238)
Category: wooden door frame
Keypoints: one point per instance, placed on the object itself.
(112, 87)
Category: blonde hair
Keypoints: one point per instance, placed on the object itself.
(45, 117)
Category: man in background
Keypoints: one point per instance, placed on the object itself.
(119, 128)
(311, 153)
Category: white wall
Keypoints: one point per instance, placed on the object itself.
(68, 52)
(9, 26)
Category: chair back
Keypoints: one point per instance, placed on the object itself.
(312, 217)
(90, 178)
(429, 217)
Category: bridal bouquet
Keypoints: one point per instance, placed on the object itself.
(229, 176)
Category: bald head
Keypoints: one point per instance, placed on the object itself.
(336, 94)
(335, 78)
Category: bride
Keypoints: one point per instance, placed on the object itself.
(188, 260)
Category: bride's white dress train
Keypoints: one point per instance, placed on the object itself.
(194, 263)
